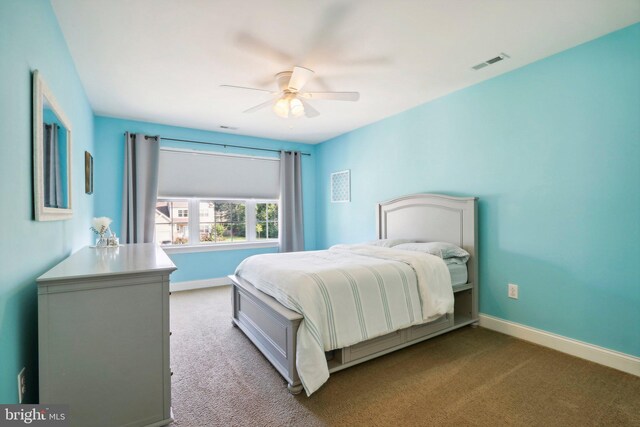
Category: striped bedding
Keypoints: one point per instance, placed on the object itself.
(348, 294)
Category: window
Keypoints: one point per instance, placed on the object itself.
(215, 222)
(244, 210)
(266, 221)
(226, 222)
(171, 227)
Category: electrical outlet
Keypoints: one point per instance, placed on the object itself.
(513, 291)
(22, 385)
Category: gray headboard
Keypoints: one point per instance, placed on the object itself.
(432, 218)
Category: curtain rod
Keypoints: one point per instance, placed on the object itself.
(223, 145)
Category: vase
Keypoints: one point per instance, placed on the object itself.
(102, 241)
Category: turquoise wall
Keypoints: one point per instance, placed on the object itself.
(553, 152)
(108, 172)
(213, 264)
(30, 39)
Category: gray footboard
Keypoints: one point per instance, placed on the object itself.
(270, 326)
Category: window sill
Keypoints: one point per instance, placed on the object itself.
(185, 249)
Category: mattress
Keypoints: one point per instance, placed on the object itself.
(458, 274)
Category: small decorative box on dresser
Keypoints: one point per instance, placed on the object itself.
(103, 331)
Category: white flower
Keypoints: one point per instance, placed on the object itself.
(101, 225)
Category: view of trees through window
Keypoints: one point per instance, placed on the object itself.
(228, 222)
(267, 220)
(215, 221)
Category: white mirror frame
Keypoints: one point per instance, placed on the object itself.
(42, 212)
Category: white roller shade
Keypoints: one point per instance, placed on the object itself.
(202, 174)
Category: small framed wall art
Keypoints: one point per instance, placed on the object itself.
(88, 173)
(341, 187)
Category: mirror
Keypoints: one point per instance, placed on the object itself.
(51, 155)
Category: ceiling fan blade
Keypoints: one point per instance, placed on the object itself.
(299, 78)
(333, 96)
(309, 111)
(259, 106)
(255, 45)
(249, 88)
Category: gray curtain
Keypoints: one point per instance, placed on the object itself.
(291, 226)
(52, 178)
(141, 158)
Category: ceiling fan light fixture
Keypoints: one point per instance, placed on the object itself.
(281, 107)
(296, 107)
(288, 106)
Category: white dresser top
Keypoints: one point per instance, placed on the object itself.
(125, 259)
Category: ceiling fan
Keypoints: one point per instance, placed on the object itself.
(290, 101)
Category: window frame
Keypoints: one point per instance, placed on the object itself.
(193, 224)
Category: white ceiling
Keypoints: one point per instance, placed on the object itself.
(163, 61)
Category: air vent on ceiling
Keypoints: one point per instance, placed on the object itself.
(491, 61)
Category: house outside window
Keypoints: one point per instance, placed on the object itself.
(172, 227)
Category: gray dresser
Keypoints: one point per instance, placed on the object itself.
(103, 331)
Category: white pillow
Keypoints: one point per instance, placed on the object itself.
(388, 243)
(443, 250)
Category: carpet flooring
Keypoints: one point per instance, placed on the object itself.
(468, 377)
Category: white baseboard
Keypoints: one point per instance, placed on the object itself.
(198, 284)
(613, 359)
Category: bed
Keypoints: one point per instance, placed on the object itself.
(274, 328)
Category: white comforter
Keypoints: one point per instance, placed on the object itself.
(348, 294)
